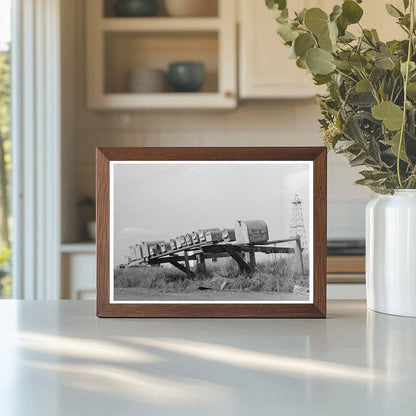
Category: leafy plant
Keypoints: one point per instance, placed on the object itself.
(369, 113)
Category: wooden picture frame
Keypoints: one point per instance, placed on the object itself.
(315, 308)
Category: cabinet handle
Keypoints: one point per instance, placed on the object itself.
(228, 94)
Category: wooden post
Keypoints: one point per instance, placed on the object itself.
(200, 264)
(188, 268)
(181, 268)
(238, 257)
(298, 254)
(252, 260)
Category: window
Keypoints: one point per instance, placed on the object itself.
(5, 147)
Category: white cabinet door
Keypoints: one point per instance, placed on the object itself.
(265, 68)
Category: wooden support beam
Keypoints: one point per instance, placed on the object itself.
(168, 259)
(267, 250)
(200, 264)
(238, 258)
(183, 269)
(188, 268)
(252, 260)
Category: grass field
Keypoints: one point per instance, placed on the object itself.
(277, 276)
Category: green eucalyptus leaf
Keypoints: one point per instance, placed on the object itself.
(393, 11)
(363, 86)
(303, 43)
(361, 99)
(333, 32)
(321, 79)
(374, 150)
(374, 174)
(368, 36)
(343, 65)
(394, 144)
(411, 90)
(385, 63)
(342, 25)
(286, 32)
(276, 4)
(351, 11)
(316, 20)
(325, 42)
(347, 37)
(320, 61)
(365, 182)
(336, 12)
(358, 61)
(301, 63)
(388, 112)
(343, 145)
(300, 17)
(412, 67)
(375, 35)
(358, 160)
(396, 71)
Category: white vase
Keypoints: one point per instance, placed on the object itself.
(391, 253)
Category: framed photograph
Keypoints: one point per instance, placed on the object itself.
(211, 232)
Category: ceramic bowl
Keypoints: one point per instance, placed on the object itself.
(135, 8)
(186, 76)
(147, 80)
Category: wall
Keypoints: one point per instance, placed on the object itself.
(265, 123)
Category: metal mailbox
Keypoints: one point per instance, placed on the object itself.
(251, 232)
(188, 239)
(195, 237)
(228, 234)
(202, 233)
(165, 247)
(213, 236)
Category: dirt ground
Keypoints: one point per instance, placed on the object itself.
(143, 294)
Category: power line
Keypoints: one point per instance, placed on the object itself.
(157, 176)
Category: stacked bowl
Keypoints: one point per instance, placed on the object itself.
(147, 80)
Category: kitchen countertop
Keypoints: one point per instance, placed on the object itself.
(58, 359)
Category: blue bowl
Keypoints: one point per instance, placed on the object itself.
(186, 76)
(136, 8)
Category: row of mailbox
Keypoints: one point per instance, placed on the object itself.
(245, 232)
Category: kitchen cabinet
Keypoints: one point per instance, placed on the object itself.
(78, 263)
(118, 45)
(265, 70)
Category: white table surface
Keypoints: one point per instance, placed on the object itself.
(57, 359)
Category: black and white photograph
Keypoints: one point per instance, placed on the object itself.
(199, 231)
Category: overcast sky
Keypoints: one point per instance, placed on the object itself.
(161, 201)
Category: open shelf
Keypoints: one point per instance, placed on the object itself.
(116, 46)
(127, 51)
(80, 247)
(108, 9)
(160, 24)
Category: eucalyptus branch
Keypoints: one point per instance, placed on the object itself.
(346, 75)
(406, 80)
(364, 108)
